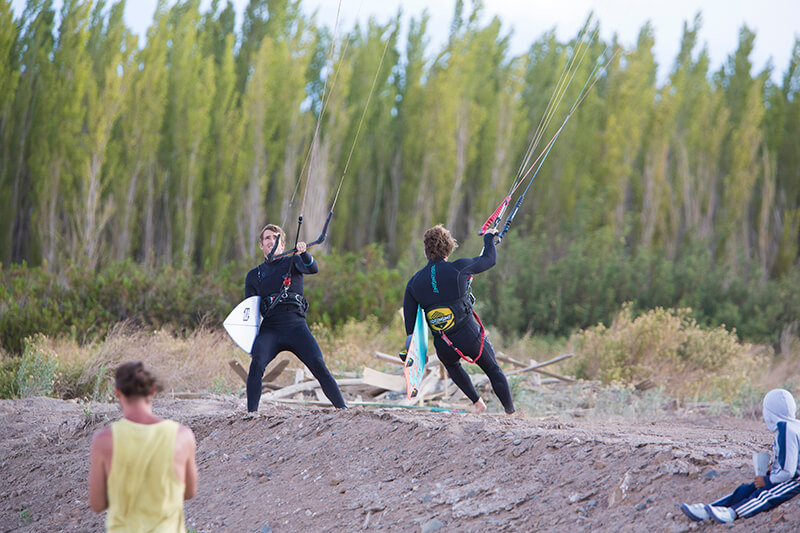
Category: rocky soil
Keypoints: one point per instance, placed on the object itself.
(295, 468)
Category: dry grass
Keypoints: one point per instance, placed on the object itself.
(198, 362)
(684, 361)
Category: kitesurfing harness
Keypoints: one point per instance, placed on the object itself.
(283, 300)
(286, 300)
(452, 316)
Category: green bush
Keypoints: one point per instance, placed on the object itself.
(552, 286)
(84, 304)
(36, 374)
(9, 366)
(669, 348)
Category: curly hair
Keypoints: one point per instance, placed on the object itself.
(274, 229)
(133, 380)
(438, 242)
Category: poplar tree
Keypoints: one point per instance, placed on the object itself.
(631, 92)
(140, 180)
(111, 48)
(9, 78)
(407, 181)
(56, 160)
(744, 99)
(782, 131)
(226, 131)
(366, 182)
(190, 94)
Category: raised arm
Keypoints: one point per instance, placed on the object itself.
(483, 262)
(305, 263)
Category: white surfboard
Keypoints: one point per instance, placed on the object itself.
(243, 322)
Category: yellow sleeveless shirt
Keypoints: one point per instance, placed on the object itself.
(144, 494)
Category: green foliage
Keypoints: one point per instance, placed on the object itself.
(36, 374)
(220, 386)
(25, 517)
(85, 382)
(84, 304)
(545, 286)
(9, 366)
(351, 285)
(134, 175)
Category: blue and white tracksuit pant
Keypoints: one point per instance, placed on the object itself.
(747, 500)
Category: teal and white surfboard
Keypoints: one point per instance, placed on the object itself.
(417, 355)
(243, 322)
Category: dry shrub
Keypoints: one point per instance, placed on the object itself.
(198, 362)
(353, 345)
(784, 371)
(668, 347)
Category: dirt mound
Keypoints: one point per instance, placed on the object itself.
(296, 468)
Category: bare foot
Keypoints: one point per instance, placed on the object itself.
(478, 407)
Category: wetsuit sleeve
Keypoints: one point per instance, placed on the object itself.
(483, 262)
(305, 263)
(250, 285)
(409, 310)
(784, 464)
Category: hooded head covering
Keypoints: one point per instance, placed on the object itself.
(779, 406)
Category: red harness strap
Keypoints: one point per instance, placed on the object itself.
(460, 354)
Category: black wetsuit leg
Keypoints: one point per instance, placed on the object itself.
(265, 349)
(307, 350)
(288, 334)
(468, 340)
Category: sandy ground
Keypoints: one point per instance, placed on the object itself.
(295, 468)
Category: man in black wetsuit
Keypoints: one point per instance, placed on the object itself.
(284, 324)
(442, 289)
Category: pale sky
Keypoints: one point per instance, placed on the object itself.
(776, 23)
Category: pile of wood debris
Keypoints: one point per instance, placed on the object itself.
(374, 387)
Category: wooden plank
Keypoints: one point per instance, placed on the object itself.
(432, 359)
(276, 371)
(239, 369)
(537, 368)
(506, 359)
(321, 397)
(565, 379)
(306, 386)
(242, 373)
(428, 384)
(389, 358)
(383, 380)
(188, 395)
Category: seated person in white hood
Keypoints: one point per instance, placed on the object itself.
(766, 492)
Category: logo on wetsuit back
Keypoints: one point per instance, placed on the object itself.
(441, 318)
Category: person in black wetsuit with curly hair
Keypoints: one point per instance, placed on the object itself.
(284, 324)
(442, 289)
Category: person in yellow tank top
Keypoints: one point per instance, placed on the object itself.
(143, 467)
